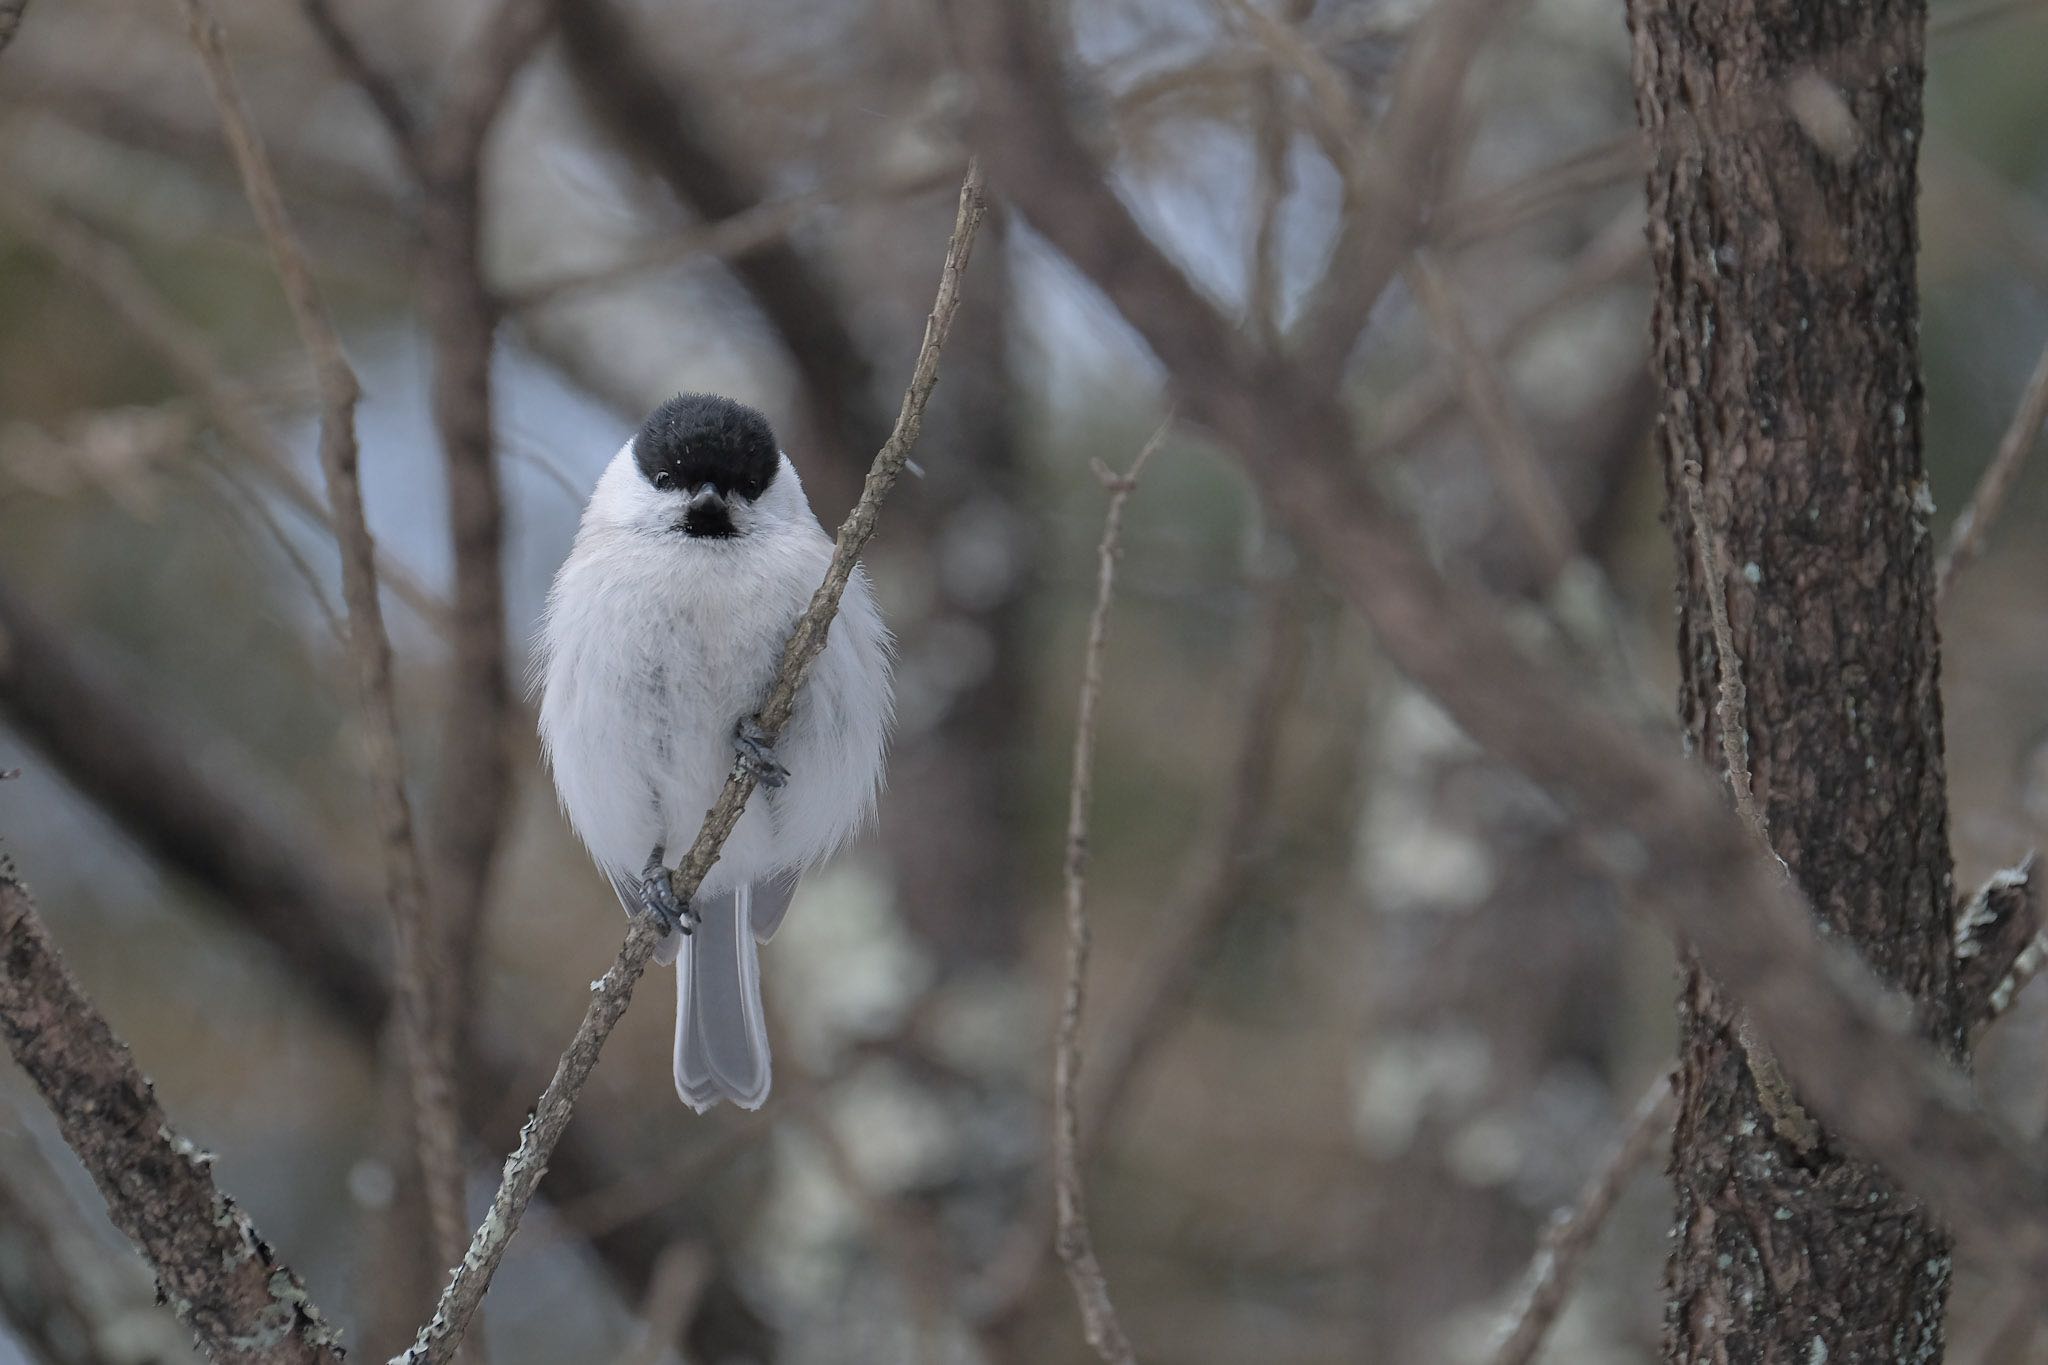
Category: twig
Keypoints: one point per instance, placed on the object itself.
(2012, 895)
(430, 1060)
(176, 789)
(473, 793)
(1565, 1243)
(96, 262)
(1731, 718)
(1412, 414)
(1774, 1092)
(1428, 88)
(1075, 1242)
(68, 1295)
(651, 110)
(213, 1269)
(1966, 538)
(672, 1296)
(1161, 983)
(384, 95)
(1524, 484)
(1684, 856)
(524, 1168)
(728, 238)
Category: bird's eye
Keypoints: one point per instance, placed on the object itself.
(662, 478)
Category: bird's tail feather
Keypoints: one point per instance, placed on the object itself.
(721, 1032)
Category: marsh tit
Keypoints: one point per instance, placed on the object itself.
(694, 559)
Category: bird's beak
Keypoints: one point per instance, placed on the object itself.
(704, 498)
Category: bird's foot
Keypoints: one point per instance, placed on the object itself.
(751, 742)
(658, 897)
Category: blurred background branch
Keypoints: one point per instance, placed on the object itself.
(1368, 1011)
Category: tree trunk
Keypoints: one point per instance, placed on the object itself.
(1782, 189)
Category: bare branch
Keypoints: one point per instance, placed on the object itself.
(439, 1338)
(384, 95)
(1524, 484)
(655, 115)
(1966, 538)
(10, 20)
(1075, 1242)
(1376, 235)
(96, 262)
(213, 1269)
(1143, 1016)
(67, 1295)
(430, 1059)
(2005, 912)
(672, 1296)
(1731, 719)
(1565, 1243)
(728, 238)
(1665, 831)
(177, 791)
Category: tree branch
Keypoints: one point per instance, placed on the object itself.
(439, 1338)
(1075, 1242)
(1564, 1246)
(430, 1060)
(1966, 537)
(213, 1269)
(652, 112)
(1679, 852)
(176, 791)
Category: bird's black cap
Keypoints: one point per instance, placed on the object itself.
(699, 438)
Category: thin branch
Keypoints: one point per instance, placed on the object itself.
(213, 1269)
(98, 263)
(2009, 900)
(10, 20)
(1731, 707)
(1144, 1015)
(1966, 537)
(728, 238)
(430, 1059)
(1774, 1091)
(67, 1294)
(474, 781)
(386, 99)
(652, 110)
(1663, 828)
(672, 1296)
(1409, 416)
(1427, 91)
(439, 1338)
(177, 790)
(1548, 1282)
(1075, 1242)
(1523, 482)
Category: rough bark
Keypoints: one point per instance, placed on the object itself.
(213, 1269)
(1782, 191)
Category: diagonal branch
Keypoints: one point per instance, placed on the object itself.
(655, 115)
(430, 1057)
(177, 791)
(1966, 538)
(1565, 1244)
(1075, 1242)
(96, 262)
(440, 1337)
(1664, 831)
(213, 1269)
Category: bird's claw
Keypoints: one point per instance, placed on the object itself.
(751, 742)
(658, 897)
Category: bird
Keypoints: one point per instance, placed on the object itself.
(661, 638)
